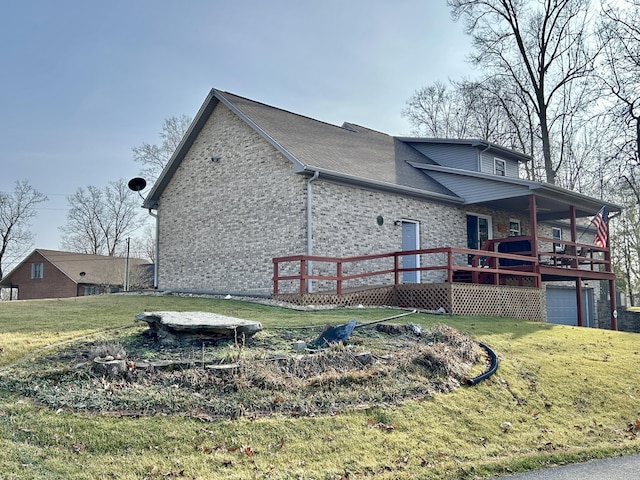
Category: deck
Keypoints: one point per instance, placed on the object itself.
(505, 261)
(503, 278)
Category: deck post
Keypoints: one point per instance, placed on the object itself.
(275, 277)
(612, 299)
(579, 301)
(396, 273)
(574, 249)
(612, 284)
(533, 222)
(303, 275)
(339, 276)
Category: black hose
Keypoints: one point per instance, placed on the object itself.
(492, 368)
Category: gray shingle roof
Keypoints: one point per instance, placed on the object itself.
(349, 152)
(355, 154)
(350, 149)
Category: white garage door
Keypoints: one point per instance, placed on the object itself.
(562, 308)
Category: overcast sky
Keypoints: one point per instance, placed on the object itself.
(82, 81)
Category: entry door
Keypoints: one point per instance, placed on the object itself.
(478, 231)
(410, 241)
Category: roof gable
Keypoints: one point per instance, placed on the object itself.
(350, 152)
(84, 268)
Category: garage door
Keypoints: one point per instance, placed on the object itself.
(562, 308)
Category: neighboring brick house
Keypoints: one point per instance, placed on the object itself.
(54, 274)
(250, 182)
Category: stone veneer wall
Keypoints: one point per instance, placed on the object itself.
(345, 224)
(222, 222)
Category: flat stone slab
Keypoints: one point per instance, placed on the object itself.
(202, 323)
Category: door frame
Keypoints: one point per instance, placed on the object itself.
(489, 219)
(416, 232)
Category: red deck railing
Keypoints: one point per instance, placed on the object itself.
(558, 258)
(485, 264)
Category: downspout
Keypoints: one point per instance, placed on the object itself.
(315, 176)
(480, 157)
(157, 250)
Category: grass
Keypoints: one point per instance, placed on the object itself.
(567, 393)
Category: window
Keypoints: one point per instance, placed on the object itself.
(36, 270)
(514, 228)
(556, 233)
(91, 290)
(499, 167)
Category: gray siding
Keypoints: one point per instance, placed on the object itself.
(449, 155)
(477, 189)
(487, 165)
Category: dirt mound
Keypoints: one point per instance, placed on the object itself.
(263, 375)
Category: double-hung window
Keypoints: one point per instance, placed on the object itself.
(500, 167)
(37, 270)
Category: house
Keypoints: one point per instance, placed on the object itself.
(54, 274)
(258, 200)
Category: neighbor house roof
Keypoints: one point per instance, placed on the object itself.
(83, 268)
(358, 155)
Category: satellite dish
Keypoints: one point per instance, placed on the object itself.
(137, 184)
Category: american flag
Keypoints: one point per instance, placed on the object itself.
(600, 221)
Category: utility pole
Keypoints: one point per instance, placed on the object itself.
(126, 267)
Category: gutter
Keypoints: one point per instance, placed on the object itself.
(315, 176)
(157, 249)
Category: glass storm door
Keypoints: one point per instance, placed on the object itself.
(478, 231)
(410, 241)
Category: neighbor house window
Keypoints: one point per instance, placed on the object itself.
(91, 290)
(499, 167)
(514, 228)
(36, 270)
(556, 233)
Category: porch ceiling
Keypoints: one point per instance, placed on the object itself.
(548, 208)
(552, 202)
(509, 193)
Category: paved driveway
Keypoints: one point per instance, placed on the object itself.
(619, 468)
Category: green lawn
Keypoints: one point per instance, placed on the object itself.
(568, 394)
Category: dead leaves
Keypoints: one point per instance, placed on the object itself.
(633, 429)
(380, 425)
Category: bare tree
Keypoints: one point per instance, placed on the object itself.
(620, 35)
(99, 220)
(464, 109)
(489, 109)
(620, 73)
(17, 208)
(143, 246)
(154, 157)
(438, 111)
(538, 47)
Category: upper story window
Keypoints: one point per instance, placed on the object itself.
(36, 270)
(514, 227)
(500, 167)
